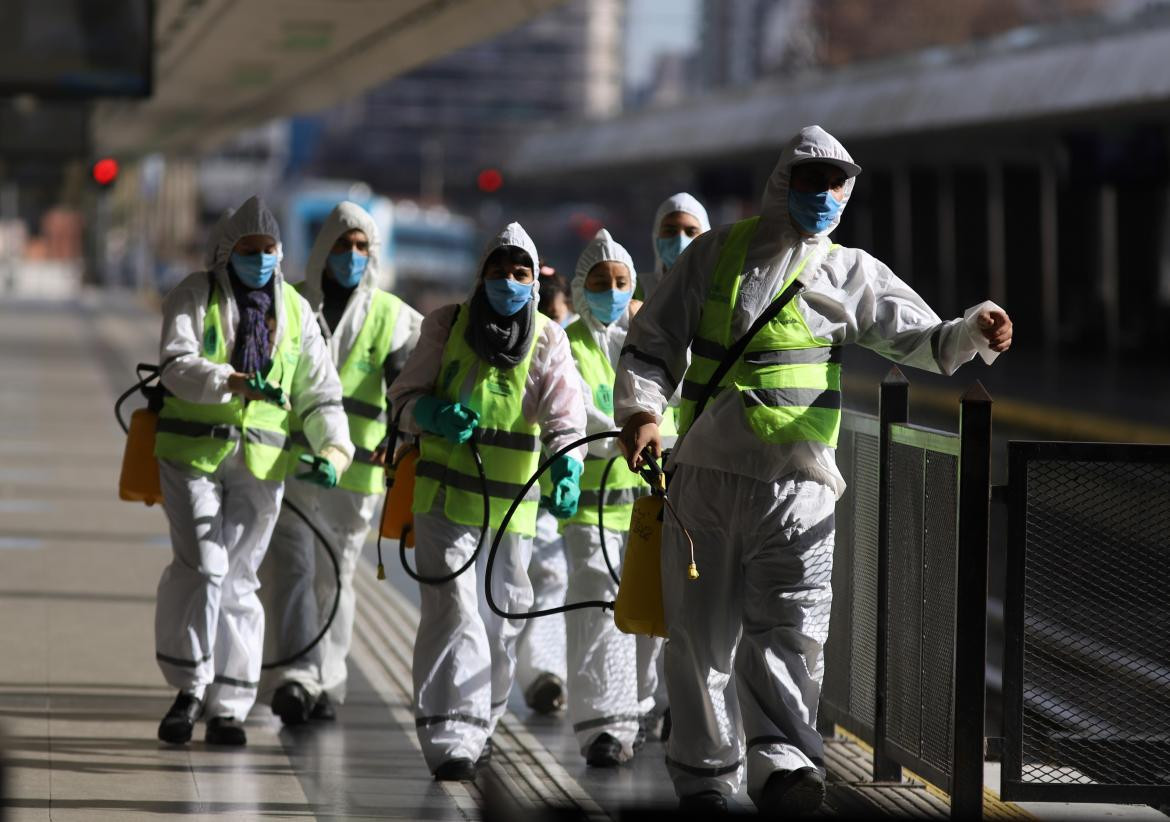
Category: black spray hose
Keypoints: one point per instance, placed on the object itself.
(288, 660)
(487, 517)
(501, 530)
(151, 376)
(617, 580)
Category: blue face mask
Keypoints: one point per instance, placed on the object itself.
(607, 306)
(254, 270)
(506, 297)
(347, 267)
(670, 247)
(813, 212)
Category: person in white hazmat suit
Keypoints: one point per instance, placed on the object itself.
(755, 479)
(493, 366)
(369, 333)
(677, 222)
(540, 648)
(679, 219)
(240, 354)
(604, 706)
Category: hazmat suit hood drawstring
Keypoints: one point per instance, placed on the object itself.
(811, 144)
(602, 248)
(344, 218)
(503, 341)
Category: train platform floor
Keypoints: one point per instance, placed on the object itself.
(81, 696)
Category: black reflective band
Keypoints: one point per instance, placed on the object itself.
(466, 719)
(507, 439)
(186, 428)
(704, 771)
(364, 455)
(613, 496)
(181, 663)
(793, 397)
(467, 482)
(275, 439)
(313, 409)
(602, 721)
(794, 356)
(359, 454)
(650, 359)
(708, 349)
(363, 409)
(236, 683)
(693, 391)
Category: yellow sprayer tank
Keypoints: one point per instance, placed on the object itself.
(140, 481)
(638, 609)
(396, 514)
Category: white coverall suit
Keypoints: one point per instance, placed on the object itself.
(651, 679)
(298, 580)
(209, 624)
(604, 678)
(465, 655)
(761, 514)
(541, 646)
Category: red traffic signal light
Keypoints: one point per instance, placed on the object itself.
(105, 171)
(490, 180)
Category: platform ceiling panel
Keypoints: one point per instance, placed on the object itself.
(1013, 82)
(224, 65)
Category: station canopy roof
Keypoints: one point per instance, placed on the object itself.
(223, 65)
(1026, 75)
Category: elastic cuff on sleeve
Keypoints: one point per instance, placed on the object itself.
(971, 325)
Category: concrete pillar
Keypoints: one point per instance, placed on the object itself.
(903, 228)
(1108, 266)
(996, 241)
(1049, 257)
(947, 244)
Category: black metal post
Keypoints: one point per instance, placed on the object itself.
(971, 603)
(893, 407)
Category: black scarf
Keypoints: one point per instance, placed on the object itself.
(502, 341)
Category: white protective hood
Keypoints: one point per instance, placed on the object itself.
(603, 248)
(345, 217)
(811, 144)
(676, 202)
(213, 237)
(513, 234)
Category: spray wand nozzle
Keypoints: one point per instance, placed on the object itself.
(656, 477)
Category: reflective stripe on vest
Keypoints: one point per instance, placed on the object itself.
(508, 444)
(789, 381)
(363, 391)
(202, 435)
(622, 486)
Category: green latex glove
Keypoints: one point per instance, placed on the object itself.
(321, 471)
(566, 487)
(450, 420)
(272, 393)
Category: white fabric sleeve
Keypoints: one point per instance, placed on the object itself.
(185, 372)
(654, 358)
(884, 314)
(316, 391)
(421, 369)
(552, 395)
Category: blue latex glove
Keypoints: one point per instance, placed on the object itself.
(321, 471)
(566, 487)
(449, 420)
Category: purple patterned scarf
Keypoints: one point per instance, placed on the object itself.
(252, 340)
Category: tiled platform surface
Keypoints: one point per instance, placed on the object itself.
(80, 695)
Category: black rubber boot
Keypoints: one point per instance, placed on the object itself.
(604, 752)
(324, 710)
(292, 704)
(546, 694)
(788, 793)
(226, 730)
(485, 756)
(664, 734)
(179, 722)
(460, 769)
(703, 804)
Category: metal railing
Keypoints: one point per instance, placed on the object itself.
(1087, 619)
(905, 659)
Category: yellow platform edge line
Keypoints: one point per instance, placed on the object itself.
(993, 806)
(1049, 420)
